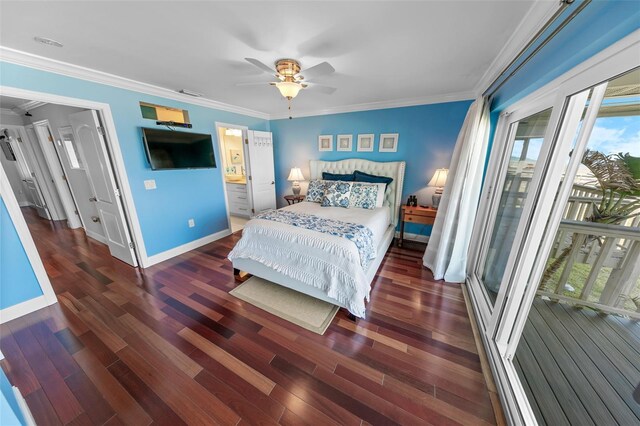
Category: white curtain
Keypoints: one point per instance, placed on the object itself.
(446, 254)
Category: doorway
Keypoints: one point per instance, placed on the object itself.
(248, 172)
(60, 170)
(234, 169)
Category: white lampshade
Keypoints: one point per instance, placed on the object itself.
(439, 178)
(295, 175)
(289, 89)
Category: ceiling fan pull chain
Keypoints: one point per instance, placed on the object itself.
(290, 117)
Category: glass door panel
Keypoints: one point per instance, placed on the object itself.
(577, 365)
(514, 190)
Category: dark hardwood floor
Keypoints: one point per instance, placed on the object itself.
(169, 345)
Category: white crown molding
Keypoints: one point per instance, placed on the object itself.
(398, 103)
(537, 16)
(51, 65)
(30, 105)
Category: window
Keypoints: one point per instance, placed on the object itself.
(69, 145)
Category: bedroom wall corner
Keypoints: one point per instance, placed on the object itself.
(427, 136)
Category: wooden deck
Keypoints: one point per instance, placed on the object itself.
(579, 367)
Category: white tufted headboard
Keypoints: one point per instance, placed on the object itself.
(392, 169)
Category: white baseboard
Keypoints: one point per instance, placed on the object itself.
(24, 308)
(24, 408)
(177, 251)
(414, 237)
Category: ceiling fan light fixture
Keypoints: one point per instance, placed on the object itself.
(289, 89)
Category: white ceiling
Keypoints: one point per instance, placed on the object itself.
(382, 51)
(7, 102)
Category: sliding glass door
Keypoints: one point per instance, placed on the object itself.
(526, 237)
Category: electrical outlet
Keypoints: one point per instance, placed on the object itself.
(192, 223)
(150, 184)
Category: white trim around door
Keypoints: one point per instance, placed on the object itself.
(113, 146)
(48, 296)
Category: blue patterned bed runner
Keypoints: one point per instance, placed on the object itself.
(360, 235)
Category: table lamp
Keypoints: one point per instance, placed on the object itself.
(438, 180)
(295, 176)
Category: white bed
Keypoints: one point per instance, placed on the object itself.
(320, 265)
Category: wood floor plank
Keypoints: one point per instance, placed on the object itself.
(117, 397)
(262, 383)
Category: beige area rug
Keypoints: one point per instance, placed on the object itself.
(307, 312)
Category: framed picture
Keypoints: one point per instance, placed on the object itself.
(325, 143)
(236, 156)
(365, 142)
(388, 142)
(345, 142)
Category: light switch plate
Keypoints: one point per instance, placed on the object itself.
(192, 223)
(150, 184)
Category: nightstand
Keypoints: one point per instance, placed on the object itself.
(422, 215)
(292, 199)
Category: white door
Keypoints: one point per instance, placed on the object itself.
(262, 178)
(106, 195)
(40, 174)
(75, 169)
(58, 178)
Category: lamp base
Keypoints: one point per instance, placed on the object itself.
(435, 200)
(295, 188)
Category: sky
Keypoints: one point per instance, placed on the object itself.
(616, 134)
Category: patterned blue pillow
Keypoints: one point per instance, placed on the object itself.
(315, 191)
(337, 194)
(363, 195)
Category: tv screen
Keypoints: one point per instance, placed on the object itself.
(168, 149)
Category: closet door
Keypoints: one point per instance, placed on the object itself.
(262, 179)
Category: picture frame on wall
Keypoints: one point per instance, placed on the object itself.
(388, 142)
(325, 143)
(365, 142)
(345, 143)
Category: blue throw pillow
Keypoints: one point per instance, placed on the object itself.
(366, 177)
(333, 176)
(337, 194)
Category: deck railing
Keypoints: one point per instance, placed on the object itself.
(602, 247)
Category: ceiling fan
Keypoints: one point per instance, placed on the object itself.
(290, 78)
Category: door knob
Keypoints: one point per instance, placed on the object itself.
(272, 182)
(93, 199)
(95, 219)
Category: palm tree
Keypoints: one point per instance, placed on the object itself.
(617, 176)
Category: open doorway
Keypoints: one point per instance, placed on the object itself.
(60, 170)
(234, 168)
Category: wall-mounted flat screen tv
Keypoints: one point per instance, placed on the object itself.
(168, 149)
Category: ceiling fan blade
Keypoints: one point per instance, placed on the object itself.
(256, 83)
(316, 71)
(260, 65)
(321, 88)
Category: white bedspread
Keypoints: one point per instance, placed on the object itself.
(326, 262)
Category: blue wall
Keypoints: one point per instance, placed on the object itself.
(180, 194)
(595, 28)
(18, 282)
(10, 414)
(428, 134)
